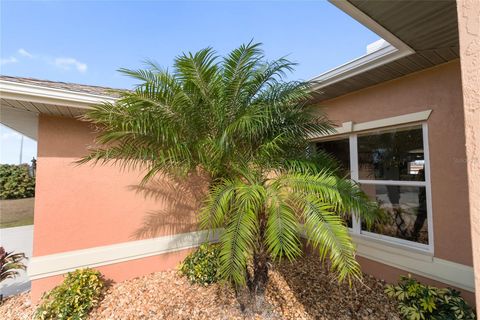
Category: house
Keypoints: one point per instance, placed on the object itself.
(407, 119)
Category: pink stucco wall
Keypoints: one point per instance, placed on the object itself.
(469, 32)
(86, 206)
(79, 207)
(438, 89)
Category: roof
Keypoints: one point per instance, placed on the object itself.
(75, 87)
(22, 99)
(424, 34)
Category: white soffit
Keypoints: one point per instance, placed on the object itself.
(45, 95)
(395, 50)
(19, 120)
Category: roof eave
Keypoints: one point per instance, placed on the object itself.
(396, 50)
(55, 96)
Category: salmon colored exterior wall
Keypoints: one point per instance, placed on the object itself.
(469, 32)
(83, 206)
(440, 90)
(79, 207)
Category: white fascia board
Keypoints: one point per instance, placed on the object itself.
(396, 50)
(39, 94)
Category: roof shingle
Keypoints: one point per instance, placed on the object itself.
(75, 87)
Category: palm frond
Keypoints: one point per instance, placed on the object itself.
(326, 231)
(345, 195)
(217, 205)
(281, 234)
(240, 233)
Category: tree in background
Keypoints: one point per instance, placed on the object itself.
(16, 182)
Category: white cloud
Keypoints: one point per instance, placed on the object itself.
(8, 60)
(24, 53)
(69, 63)
(64, 63)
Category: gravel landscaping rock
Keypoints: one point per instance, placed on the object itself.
(301, 290)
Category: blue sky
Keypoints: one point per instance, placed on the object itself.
(87, 41)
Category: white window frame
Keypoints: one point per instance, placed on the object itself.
(356, 229)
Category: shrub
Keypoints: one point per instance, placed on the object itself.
(16, 182)
(80, 291)
(421, 302)
(10, 264)
(201, 266)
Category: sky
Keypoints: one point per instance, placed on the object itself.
(87, 41)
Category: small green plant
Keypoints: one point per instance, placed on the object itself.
(80, 291)
(16, 182)
(421, 302)
(201, 266)
(10, 264)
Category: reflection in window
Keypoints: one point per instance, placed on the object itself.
(340, 149)
(395, 155)
(404, 209)
(392, 155)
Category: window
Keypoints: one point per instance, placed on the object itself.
(391, 155)
(391, 166)
(340, 149)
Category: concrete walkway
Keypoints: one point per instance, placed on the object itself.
(17, 239)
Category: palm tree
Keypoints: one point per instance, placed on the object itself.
(240, 122)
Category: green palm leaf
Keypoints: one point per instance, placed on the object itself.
(237, 120)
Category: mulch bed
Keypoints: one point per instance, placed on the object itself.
(301, 290)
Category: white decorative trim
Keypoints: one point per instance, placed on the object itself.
(412, 260)
(55, 96)
(350, 127)
(396, 50)
(393, 121)
(428, 189)
(60, 263)
(416, 261)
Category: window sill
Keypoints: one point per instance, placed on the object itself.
(367, 244)
(414, 260)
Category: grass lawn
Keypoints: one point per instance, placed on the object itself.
(15, 213)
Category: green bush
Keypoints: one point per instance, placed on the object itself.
(422, 302)
(80, 291)
(16, 182)
(201, 266)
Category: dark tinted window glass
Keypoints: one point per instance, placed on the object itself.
(393, 155)
(404, 212)
(340, 149)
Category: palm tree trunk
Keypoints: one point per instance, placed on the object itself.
(260, 278)
(260, 268)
